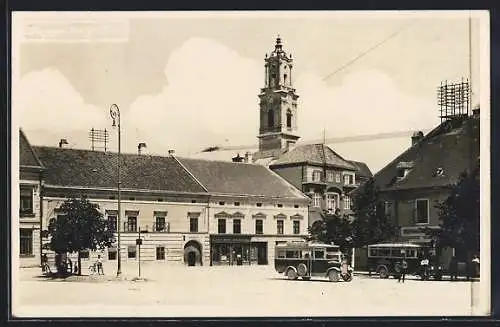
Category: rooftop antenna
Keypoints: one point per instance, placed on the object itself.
(99, 139)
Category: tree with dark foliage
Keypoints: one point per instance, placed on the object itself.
(459, 214)
(371, 224)
(332, 228)
(80, 226)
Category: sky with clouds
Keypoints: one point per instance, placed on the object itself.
(185, 82)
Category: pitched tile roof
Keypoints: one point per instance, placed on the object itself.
(97, 169)
(240, 179)
(361, 168)
(437, 160)
(313, 154)
(27, 156)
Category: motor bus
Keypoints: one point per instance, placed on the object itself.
(305, 260)
(385, 260)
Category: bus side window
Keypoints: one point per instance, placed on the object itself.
(319, 254)
(292, 254)
(384, 252)
(281, 254)
(373, 252)
(397, 253)
(306, 254)
(410, 253)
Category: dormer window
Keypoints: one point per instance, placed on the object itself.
(403, 172)
(403, 169)
(439, 172)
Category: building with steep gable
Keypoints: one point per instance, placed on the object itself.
(423, 175)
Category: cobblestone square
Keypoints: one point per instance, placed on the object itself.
(243, 291)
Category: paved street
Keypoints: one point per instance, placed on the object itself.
(176, 291)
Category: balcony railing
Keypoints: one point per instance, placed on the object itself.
(310, 180)
(155, 228)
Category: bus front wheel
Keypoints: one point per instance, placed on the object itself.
(383, 273)
(291, 274)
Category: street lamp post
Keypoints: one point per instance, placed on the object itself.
(114, 111)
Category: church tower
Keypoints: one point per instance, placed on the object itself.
(278, 105)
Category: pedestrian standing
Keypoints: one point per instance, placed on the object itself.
(100, 270)
(404, 267)
(453, 267)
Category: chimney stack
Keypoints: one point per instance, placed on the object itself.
(62, 143)
(141, 148)
(238, 158)
(248, 156)
(416, 137)
(171, 152)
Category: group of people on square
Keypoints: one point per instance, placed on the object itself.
(65, 265)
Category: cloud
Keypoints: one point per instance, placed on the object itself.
(211, 96)
(211, 99)
(45, 99)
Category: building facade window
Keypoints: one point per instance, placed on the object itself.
(288, 115)
(258, 204)
(131, 224)
(84, 254)
(112, 223)
(221, 226)
(331, 203)
(160, 225)
(26, 242)
(388, 208)
(317, 200)
(132, 251)
(316, 176)
(349, 179)
(337, 177)
(259, 226)
(329, 176)
(193, 224)
(26, 201)
(296, 227)
(236, 226)
(347, 202)
(280, 227)
(422, 211)
(160, 253)
(112, 253)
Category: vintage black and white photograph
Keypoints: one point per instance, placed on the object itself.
(250, 164)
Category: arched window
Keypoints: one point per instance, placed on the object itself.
(270, 118)
(288, 118)
(285, 79)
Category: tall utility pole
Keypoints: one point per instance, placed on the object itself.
(114, 111)
(469, 111)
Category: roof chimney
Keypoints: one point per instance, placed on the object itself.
(171, 152)
(248, 156)
(238, 158)
(141, 148)
(416, 137)
(62, 143)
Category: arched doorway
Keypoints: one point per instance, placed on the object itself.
(192, 253)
